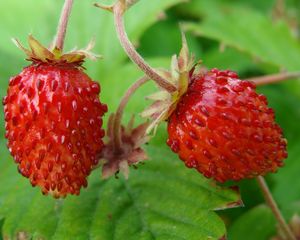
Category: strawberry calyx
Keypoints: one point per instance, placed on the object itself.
(164, 102)
(130, 153)
(37, 53)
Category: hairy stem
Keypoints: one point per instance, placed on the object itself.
(272, 204)
(62, 26)
(117, 139)
(264, 80)
(118, 10)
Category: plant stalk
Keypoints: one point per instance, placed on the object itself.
(274, 207)
(118, 11)
(117, 138)
(62, 25)
(273, 78)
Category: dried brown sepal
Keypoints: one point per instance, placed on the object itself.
(130, 153)
(37, 53)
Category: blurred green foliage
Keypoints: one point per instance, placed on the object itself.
(163, 199)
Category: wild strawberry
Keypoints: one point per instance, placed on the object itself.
(217, 123)
(224, 129)
(53, 121)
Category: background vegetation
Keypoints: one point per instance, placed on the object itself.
(162, 199)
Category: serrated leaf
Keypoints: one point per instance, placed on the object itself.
(263, 39)
(159, 201)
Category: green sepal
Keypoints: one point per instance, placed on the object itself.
(179, 75)
(39, 54)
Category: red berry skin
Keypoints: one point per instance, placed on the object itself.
(53, 125)
(225, 130)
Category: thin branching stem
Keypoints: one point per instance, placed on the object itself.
(117, 138)
(118, 11)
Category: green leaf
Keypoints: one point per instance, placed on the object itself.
(258, 220)
(261, 221)
(162, 200)
(263, 39)
(200, 8)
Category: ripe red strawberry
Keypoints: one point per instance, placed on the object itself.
(53, 123)
(224, 129)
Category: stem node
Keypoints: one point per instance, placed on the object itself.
(104, 7)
